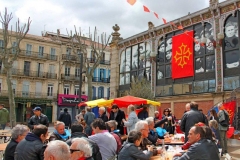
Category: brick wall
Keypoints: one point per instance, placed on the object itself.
(179, 107)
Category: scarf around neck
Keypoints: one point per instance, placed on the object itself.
(64, 136)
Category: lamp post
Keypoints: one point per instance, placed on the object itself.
(80, 76)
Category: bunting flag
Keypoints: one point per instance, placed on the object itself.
(156, 15)
(173, 24)
(182, 55)
(145, 9)
(180, 27)
(164, 21)
(230, 108)
(132, 2)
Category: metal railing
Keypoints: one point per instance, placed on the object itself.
(99, 79)
(29, 73)
(75, 58)
(71, 77)
(25, 94)
(93, 60)
(38, 55)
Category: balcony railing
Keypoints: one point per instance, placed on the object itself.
(25, 94)
(93, 60)
(29, 73)
(99, 79)
(71, 77)
(67, 57)
(95, 97)
(38, 55)
(75, 58)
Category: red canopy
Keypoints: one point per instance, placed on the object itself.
(127, 100)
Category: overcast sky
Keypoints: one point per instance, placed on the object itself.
(50, 15)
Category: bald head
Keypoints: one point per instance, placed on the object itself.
(187, 107)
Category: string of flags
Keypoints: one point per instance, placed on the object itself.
(146, 9)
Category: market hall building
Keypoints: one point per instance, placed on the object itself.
(215, 58)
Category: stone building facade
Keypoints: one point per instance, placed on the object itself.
(216, 58)
(46, 74)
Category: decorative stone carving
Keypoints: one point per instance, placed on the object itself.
(115, 34)
(213, 5)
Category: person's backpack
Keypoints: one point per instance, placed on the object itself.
(225, 123)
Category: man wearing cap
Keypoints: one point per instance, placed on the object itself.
(38, 118)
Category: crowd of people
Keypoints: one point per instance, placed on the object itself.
(102, 137)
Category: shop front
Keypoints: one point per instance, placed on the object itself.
(70, 102)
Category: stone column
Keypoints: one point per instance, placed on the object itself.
(114, 79)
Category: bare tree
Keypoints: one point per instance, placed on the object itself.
(141, 88)
(79, 43)
(9, 53)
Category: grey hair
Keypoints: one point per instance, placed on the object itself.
(149, 120)
(156, 112)
(58, 149)
(102, 108)
(112, 123)
(131, 107)
(59, 123)
(84, 146)
(140, 125)
(19, 130)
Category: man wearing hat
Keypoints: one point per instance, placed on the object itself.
(38, 118)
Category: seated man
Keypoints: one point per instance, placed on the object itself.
(32, 146)
(152, 135)
(19, 132)
(60, 133)
(105, 140)
(80, 149)
(77, 132)
(201, 147)
(57, 150)
(142, 126)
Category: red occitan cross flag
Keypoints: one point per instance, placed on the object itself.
(182, 55)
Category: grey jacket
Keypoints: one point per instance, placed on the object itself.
(221, 117)
(131, 152)
(132, 120)
(202, 150)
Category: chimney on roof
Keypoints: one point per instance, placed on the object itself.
(58, 32)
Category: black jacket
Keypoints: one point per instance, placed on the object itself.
(30, 148)
(96, 155)
(104, 117)
(34, 120)
(119, 117)
(66, 118)
(190, 118)
(55, 136)
(152, 136)
(10, 149)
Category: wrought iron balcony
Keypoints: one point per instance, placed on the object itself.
(67, 57)
(38, 55)
(29, 73)
(93, 60)
(71, 77)
(26, 94)
(100, 79)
